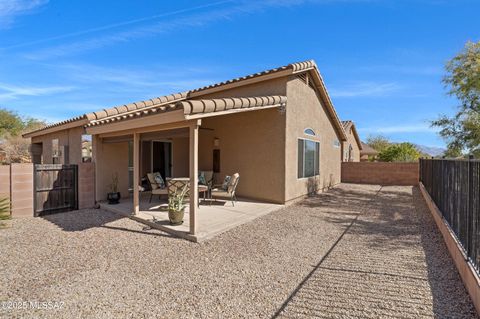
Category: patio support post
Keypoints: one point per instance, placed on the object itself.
(97, 161)
(136, 171)
(193, 154)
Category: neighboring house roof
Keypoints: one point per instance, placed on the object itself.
(169, 102)
(349, 125)
(368, 150)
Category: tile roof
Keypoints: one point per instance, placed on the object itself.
(295, 67)
(164, 103)
(71, 120)
(368, 150)
(346, 124)
(191, 107)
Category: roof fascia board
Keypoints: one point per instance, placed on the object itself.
(137, 123)
(357, 138)
(57, 128)
(154, 128)
(327, 101)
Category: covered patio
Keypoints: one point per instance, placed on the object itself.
(179, 140)
(211, 219)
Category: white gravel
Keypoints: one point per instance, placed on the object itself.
(391, 262)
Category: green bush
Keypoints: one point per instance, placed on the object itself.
(403, 152)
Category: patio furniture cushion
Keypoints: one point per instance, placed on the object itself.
(226, 182)
(152, 181)
(159, 180)
(208, 177)
(201, 178)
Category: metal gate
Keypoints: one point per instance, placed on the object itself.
(55, 188)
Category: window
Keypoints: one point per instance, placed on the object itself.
(55, 151)
(216, 161)
(308, 157)
(336, 143)
(309, 131)
(86, 148)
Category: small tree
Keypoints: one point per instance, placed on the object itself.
(378, 142)
(402, 152)
(462, 131)
(12, 125)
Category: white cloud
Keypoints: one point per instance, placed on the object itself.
(207, 14)
(9, 91)
(369, 89)
(10, 9)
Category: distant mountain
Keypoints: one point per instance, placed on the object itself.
(432, 151)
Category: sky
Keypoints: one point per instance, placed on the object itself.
(382, 60)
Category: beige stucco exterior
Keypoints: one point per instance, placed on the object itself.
(260, 144)
(72, 138)
(354, 154)
(305, 110)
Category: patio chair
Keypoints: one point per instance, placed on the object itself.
(228, 188)
(156, 188)
(177, 184)
(206, 178)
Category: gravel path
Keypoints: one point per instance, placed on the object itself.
(355, 251)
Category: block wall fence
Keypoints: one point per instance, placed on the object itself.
(381, 173)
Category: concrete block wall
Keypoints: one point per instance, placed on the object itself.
(86, 185)
(21, 190)
(467, 273)
(5, 181)
(382, 173)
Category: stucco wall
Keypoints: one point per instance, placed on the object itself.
(304, 110)
(70, 137)
(112, 158)
(251, 143)
(180, 157)
(355, 149)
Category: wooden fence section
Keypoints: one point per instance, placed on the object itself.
(380, 173)
(55, 188)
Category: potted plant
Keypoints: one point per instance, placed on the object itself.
(176, 206)
(113, 196)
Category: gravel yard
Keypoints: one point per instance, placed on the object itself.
(355, 251)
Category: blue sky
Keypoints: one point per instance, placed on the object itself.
(382, 60)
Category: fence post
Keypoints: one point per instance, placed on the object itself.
(469, 208)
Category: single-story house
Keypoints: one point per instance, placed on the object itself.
(352, 146)
(278, 129)
(368, 153)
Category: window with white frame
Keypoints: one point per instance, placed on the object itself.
(309, 131)
(308, 158)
